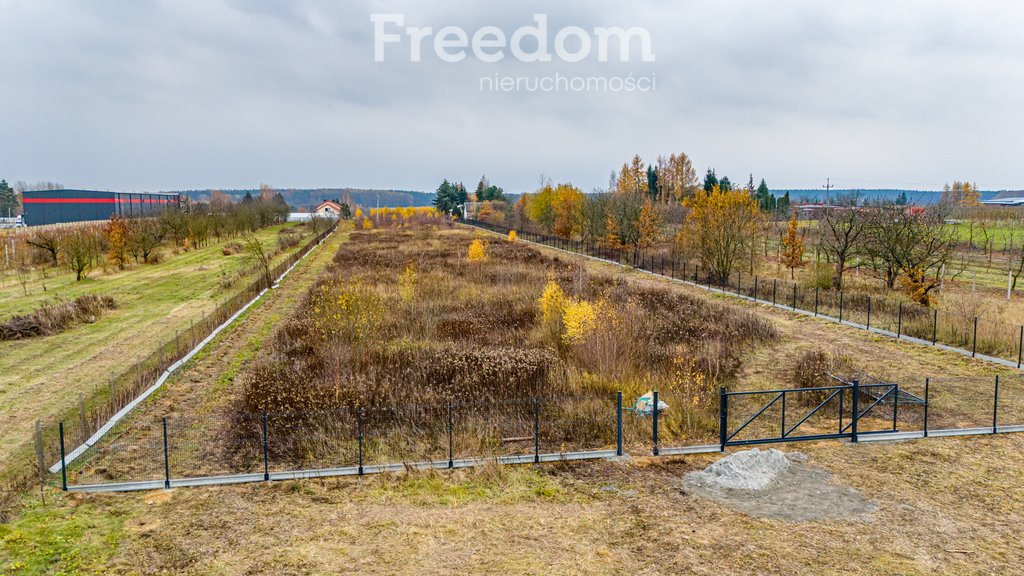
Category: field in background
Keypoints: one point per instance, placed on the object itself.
(40, 377)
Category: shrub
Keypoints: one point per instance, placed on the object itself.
(579, 318)
(288, 238)
(811, 370)
(821, 276)
(477, 252)
(55, 317)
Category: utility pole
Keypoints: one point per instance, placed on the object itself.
(828, 186)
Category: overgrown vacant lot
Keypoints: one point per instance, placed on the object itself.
(405, 321)
(43, 376)
(947, 506)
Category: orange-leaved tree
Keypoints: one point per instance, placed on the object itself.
(793, 246)
(117, 233)
(649, 226)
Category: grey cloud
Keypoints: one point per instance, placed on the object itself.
(163, 95)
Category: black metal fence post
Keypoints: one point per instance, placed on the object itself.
(1020, 346)
(899, 321)
(895, 405)
(856, 410)
(63, 462)
(840, 306)
(451, 446)
(266, 451)
(756, 290)
(654, 428)
(869, 314)
(618, 423)
(935, 326)
(536, 431)
(974, 343)
(927, 381)
(775, 286)
(359, 434)
(794, 296)
(816, 300)
(167, 459)
(739, 283)
(723, 417)
(995, 407)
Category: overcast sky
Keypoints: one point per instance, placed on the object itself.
(230, 93)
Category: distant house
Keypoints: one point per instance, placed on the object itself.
(329, 208)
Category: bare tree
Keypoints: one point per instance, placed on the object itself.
(49, 241)
(841, 236)
(81, 250)
(144, 238)
(258, 254)
(24, 274)
(916, 245)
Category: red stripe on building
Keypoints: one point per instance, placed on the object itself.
(68, 200)
(93, 201)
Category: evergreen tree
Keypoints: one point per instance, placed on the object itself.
(450, 196)
(652, 182)
(762, 189)
(8, 200)
(481, 188)
(485, 191)
(710, 180)
(902, 199)
(765, 198)
(725, 184)
(782, 205)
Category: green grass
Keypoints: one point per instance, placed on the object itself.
(61, 538)
(42, 377)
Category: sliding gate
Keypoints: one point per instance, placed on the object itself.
(841, 411)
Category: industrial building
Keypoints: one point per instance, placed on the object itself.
(57, 206)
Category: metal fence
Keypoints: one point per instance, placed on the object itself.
(112, 394)
(979, 337)
(253, 447)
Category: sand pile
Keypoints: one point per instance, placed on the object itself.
(773, 484)
(748, 470)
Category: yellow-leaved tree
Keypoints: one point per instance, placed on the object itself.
(793, 246)
(719, 226)
(567, 207)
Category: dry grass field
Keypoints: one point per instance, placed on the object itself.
(944, 506)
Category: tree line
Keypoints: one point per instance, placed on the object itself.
(726, 228)
(122, 241)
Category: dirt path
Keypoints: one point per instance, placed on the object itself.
(198, 397)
